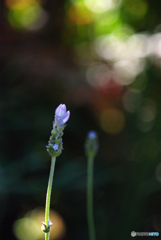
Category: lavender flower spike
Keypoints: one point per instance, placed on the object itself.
(55, 143)
(91, 144)
(61, 115)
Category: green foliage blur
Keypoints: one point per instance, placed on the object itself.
(103, 60)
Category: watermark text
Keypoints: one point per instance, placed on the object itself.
(142, 234)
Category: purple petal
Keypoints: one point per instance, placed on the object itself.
(56, 146)
(66, 117)
(58, 121)
(60, 110)
(50, 223)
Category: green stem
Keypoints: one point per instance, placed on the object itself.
(48, 195)
(90, 218)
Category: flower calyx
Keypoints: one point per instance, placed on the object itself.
(45, 228)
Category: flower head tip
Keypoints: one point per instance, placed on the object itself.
(91, 144)
(61, 115)
(92, 134)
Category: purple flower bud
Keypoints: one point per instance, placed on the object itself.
(91, 144)
(92, 135)
(61, 115)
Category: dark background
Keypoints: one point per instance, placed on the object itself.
(47, 53)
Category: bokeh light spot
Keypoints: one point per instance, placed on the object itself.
(27, 14)
(127, 52)
(144, 126)
(112, 120)
(127, 70)
(30, 15)
(26, 229)
(29, 227)
(106, 23)
(137, 8)
(131, 101)
(39, 22)
(98, 75)
(140, 83)
(99, 6)
(19, 4)
(80, 14)
(146, 115)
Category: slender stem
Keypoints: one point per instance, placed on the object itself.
(48, 194)
(90, 218)
(47, 236)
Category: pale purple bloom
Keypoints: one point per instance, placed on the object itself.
(50, 223)
(56, 146)
(92, 134)
(61, 115)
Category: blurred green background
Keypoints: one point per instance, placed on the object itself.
(102, 58)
